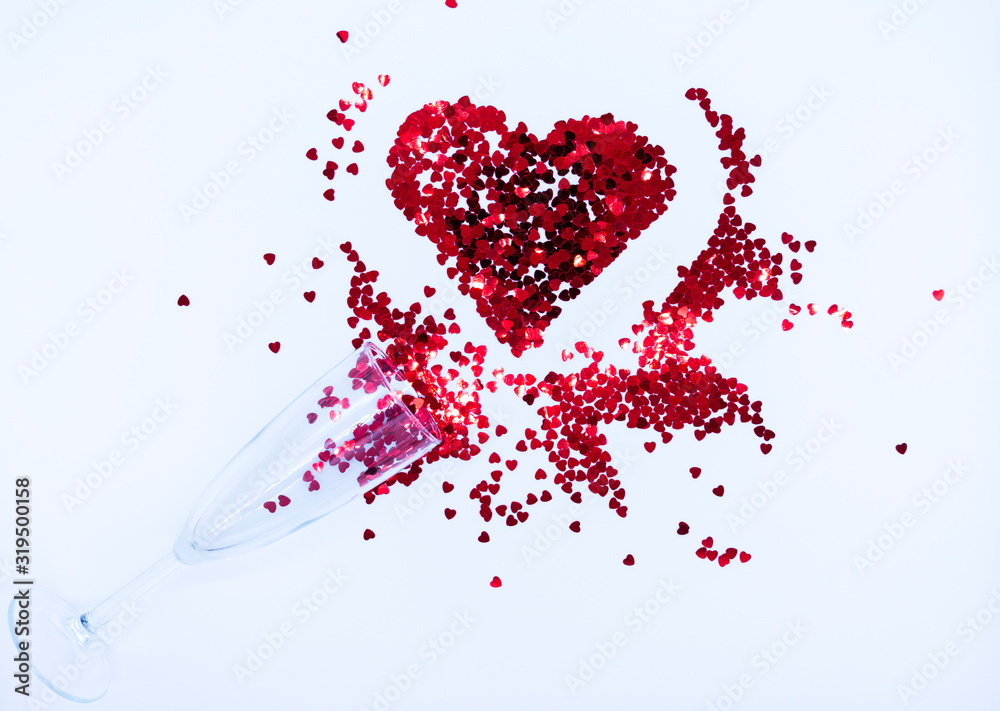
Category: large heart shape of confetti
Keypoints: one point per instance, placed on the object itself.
(523, 223)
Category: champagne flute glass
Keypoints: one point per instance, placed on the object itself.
(348, 432)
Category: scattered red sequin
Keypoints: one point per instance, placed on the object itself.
(183, 301)
(938, 294)
(522, 223)
(901, 448)
(496, 582)
(317, 263)
(269, 258)
(342, 35)
(629, 560)
(309, 296)
(451, 3)
(369, 534)
(275, 347)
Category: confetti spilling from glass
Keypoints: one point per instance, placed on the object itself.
(523, 225)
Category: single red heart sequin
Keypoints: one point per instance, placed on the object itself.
(369, 534)
(183, 301)
(275, 347)
(629, 560)
(309, 296)
(342, 35)
(269, 258)
(270, 506)
(744, 557)
(901, 448)
(283, 500)
(495, 583)
(938, 294)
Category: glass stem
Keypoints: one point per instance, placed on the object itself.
(107, 610)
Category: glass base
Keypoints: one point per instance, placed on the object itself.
(65, 656)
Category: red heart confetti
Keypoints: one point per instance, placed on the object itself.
(719, 490)
(938, 294)
(275, 347)
(683, 528)
(484, 537)
(283, 500)
(270, 506)
(369, 534)
(309, 296)
(484, 244)
(342, 35)
(317, 263)
(538, 238)
(311, 154)
(496, 582)
(629, 560)
(744, 557)
(269, 258)
(901, 448)
(183, 300)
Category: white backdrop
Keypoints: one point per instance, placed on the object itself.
(875, 84)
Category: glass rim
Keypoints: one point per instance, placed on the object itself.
(374, 351)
